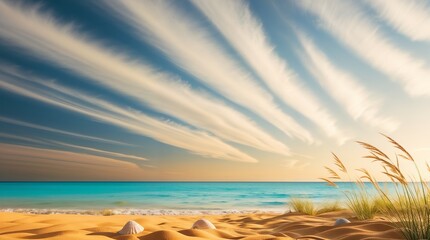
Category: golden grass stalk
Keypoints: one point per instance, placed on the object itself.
(408, 206)
(339, 163)
(329, 182)
(406, 155)
(334, 174)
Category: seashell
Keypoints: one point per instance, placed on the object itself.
(131, 227)
(203, 224)
(341, 221)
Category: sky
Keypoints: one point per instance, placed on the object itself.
(208, 90)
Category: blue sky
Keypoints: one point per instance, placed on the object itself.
(207, 90)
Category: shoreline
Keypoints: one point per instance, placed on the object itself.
(250, 226)
(143, 212)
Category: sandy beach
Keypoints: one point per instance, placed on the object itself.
(232, 226)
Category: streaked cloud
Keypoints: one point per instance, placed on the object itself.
(54, 130)
(60, 44)
(95, 150)
(208, 61)
(23, 163)
(349, 24)
(344, 87)
(245, 33)
(50, 143)
(411, 18)
(135, 122)
(22, 138)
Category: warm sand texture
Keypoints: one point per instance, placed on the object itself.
(233, 226)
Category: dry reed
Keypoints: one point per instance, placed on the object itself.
(407, 206)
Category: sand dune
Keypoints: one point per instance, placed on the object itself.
(233, 226)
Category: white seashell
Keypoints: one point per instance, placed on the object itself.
(341, 221)
(203, 224)
(131, 227)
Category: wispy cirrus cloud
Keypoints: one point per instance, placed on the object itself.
(349, 24)
(195, 141)
(11, 149)
(245, 33)
(44, 37)
(411, 18)
(54, 130)
(21, 138)
(46, 142)
(191, 47)
(344, 87)
(35, 163)
(98, 151)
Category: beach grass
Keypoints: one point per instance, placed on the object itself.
(306, 206)
(407, 206)
(303, 205)
(362, 204)
(330, 207)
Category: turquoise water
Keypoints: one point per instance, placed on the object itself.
(156, 196)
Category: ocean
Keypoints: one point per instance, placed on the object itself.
(162, 197)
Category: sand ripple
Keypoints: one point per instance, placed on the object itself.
(232, 226)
